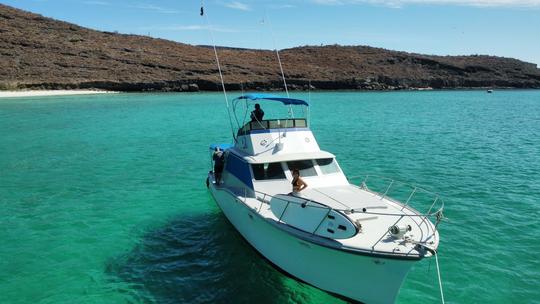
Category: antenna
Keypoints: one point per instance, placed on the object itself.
(219, 67)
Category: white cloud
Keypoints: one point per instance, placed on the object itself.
(189, 28)
(237, 5)
(103, 3)
(401, 3)
(281, 6)
(155, 8)
(329, 2)
(141, 6)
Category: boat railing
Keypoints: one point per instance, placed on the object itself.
(407, 196)
(269, 124)
(433, 203)
(265, 198)
(398, 191)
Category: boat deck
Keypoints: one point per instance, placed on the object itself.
(371, 212)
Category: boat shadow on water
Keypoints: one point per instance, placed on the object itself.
(202, 259)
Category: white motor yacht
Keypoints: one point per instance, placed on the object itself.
(352, 240)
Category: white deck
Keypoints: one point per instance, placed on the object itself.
(373, 235)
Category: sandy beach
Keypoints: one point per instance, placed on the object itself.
(7, 94)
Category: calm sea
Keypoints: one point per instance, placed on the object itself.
(102, 198)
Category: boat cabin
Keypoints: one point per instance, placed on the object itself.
(265, 153)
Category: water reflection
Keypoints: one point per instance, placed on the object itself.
(202, 259)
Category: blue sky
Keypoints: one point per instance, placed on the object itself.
(509, 28)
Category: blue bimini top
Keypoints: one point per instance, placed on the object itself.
(284, 100)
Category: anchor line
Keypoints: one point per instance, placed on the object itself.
(205, 15)
(439, 276)
(435, 253)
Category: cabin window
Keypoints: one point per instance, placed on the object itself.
(274, 124)
(304, 166)
(259, 125)
(328, 165)
(268, 171)
(300, 123)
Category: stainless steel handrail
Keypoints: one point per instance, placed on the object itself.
(319, 205)
(265, 124)
(401, 216)
(431, 230)
(415, 189)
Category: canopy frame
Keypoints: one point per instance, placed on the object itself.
(283, 100)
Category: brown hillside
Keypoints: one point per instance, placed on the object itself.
(39, 52)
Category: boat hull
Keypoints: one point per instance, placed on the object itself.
(363, 278)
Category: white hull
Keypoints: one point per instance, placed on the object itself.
(362, 278)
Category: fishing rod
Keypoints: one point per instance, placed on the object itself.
(279, 61)
(202, 13)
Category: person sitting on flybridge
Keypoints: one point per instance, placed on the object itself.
(257, 114)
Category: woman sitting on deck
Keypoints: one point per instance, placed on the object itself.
(298, 183)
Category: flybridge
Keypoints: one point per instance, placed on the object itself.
(283, 133)
(265, 126)
(284, 122)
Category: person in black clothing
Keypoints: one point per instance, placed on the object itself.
(219, 161)
(257, 114)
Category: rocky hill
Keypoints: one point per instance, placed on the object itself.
(42, 53)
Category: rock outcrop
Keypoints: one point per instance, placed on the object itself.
(42, 53)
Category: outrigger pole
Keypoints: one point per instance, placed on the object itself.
(279, 61)
(278, 58)
(219, 67)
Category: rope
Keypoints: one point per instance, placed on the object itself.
(219, 67)
(439, 276)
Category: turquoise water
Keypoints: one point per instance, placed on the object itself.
(102, 198)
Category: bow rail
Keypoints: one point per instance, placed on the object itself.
(371, 183)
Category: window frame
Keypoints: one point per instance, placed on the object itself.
(283, 171)
(313, 166)
(333, 161)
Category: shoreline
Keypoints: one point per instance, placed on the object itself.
(46, 93)
(42, 93)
